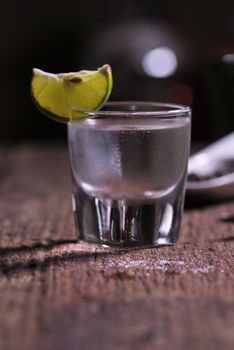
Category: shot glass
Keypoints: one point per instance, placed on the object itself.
(129, 167)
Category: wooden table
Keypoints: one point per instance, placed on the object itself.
(59, 294)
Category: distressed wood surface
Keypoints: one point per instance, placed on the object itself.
(59, 294)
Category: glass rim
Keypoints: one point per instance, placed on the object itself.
(170, 109)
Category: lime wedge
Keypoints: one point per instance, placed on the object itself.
(60, 95)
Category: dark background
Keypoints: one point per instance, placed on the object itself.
(73, 35)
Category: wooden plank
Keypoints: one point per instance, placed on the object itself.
(35, 197)
(58, 294)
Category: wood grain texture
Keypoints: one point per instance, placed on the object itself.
(59, 294)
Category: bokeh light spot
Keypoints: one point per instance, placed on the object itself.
(228, 58)
(180, 93)
(160, 62)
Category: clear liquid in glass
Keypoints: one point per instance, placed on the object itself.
(129, 178)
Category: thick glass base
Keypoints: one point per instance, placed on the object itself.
(124, 223)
